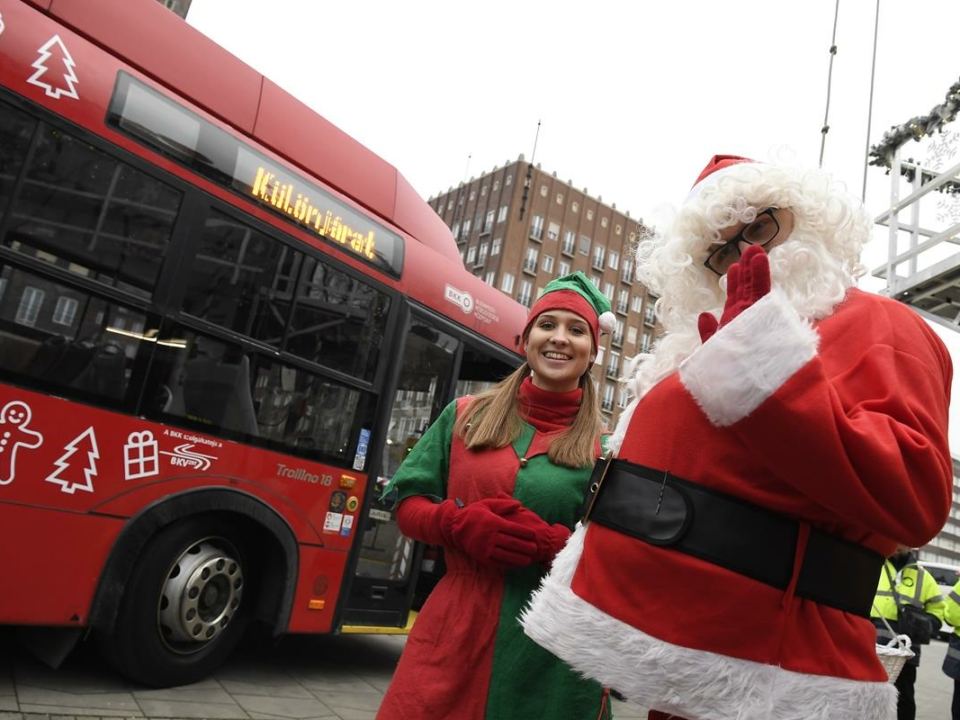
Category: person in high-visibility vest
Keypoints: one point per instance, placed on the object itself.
(951, 662)
(915, 587)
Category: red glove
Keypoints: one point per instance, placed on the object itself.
(550, 539)
(747, 282)
(490, 539)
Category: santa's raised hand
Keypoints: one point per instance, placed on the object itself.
(747, 282)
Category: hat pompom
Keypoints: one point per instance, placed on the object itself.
(607, 321)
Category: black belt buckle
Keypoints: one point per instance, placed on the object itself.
(599, 474)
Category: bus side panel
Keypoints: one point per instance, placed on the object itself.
(318, 587)
(50, 564)
(232, 92)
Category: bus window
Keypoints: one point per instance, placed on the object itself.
(217, 386)
(86, 211)
(57, 337)
(242, 279)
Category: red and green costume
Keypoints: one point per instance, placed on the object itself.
(467, 657)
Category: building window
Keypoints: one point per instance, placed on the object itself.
(65, 311)
(482, 255)
(526, 290)
(483, 191)
(473, 195)
(559, 198)
(491, 276)
(575, 207)
(530, 261)
(543, 191)
(650, 314)
(553, 231)
(466, 229)
(508, 180)
(496, 185)
(548, 264)
(618, 229)
(595, 279)
(631, 335)
(607, 403)
(633, 236)
(495, 250)
(627, 274)
(502, 215)
(637, 304)
(613, 365)
(589, 214)
(488, 225)
(622, 398)
(603, 222)
(569, 243)
(536, 227)
(598, 255)
(29, 307)
(563, 268)
(608, 291)
(618, 333)
(584, 245)
(506, 283)
(623, 299)
(471, 255)
(450, 204)
(645, 342)
(613, 259)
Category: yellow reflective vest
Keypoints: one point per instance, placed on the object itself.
(914, 586)
(952, 609)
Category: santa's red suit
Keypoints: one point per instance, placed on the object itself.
(839, 426)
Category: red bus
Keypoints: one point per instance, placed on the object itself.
(223, 322)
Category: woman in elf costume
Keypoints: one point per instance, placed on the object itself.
(498, 480)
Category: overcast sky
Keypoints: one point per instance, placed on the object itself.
(632, 97)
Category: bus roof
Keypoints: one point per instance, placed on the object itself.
(250, 102)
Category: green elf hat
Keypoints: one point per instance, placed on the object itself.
(577, 294)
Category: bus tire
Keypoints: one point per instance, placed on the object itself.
(185, 606)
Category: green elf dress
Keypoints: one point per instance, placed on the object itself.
(467, 657)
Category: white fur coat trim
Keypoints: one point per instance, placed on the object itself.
(693, 684)
(748, 359)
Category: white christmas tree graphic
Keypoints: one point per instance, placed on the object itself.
(55, 51)
(2, 26)
(84, 441)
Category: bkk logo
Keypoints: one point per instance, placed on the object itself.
(459, 297)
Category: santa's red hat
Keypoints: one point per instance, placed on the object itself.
(718, 166)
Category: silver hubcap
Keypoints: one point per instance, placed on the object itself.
(201, 595)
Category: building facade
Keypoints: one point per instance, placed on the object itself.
(518, 227)
(180, 7)
(945, 548)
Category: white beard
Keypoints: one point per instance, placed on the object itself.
(813, 280)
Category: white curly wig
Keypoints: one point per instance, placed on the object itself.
(815, 268)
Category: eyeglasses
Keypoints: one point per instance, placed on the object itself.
(760, 232)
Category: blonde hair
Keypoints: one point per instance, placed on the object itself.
(491, 420)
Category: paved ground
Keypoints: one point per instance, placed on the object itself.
(321, 678)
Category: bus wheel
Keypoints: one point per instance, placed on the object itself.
(184, 609)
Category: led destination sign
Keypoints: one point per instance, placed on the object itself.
(309, 207)
(158, 121)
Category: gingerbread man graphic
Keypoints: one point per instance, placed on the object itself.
(14, 434)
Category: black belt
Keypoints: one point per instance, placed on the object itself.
(662, 509)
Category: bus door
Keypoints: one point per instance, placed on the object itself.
(435, 366)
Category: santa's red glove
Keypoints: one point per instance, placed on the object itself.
(550, 539)
(747, 281)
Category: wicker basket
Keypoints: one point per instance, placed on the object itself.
(894, 654)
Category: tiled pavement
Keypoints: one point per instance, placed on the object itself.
(302, 678)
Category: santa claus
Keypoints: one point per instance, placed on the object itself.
(788, 431)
